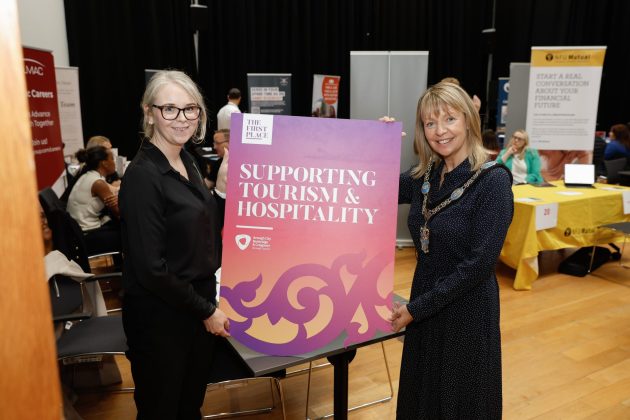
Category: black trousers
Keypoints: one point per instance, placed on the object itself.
(171, 355)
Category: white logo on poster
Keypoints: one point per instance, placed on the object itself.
(243, 241)
(33, 67)
(257, 129)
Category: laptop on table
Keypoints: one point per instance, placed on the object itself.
(579, 175)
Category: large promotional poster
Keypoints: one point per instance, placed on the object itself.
(42, 100)
(325, 96)
(310, 231)
(269, 93)
(563, 97)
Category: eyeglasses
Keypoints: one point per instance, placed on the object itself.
(170, 112)
(518, 138)
(218, 143)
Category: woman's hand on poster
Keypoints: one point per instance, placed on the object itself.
(218, 324)
(387, 119)
(222, 175)
(400, 317)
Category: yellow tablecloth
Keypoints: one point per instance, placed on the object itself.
(578, 219)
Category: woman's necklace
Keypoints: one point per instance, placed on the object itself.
(456, 194)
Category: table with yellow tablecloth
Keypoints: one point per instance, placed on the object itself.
(578, 219)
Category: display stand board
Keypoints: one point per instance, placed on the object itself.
(269, 93)
(41, 92)
(390, 83)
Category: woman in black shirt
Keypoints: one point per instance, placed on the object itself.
(171, 244)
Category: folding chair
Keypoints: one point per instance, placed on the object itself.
(83, 337)
(623, 228)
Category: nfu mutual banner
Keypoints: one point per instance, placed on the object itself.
(310, 231)
(563, 97)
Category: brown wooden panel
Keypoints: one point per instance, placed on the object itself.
(29, 384)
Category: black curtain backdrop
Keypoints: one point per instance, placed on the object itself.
(113, 42)
(309, 37)
(523, 24)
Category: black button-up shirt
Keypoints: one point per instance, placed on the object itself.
(170, 233)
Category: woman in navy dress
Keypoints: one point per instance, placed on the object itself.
(461, 208)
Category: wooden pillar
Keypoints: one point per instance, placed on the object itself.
(29, 381)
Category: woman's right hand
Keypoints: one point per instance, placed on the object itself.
(400, 317)
(509, 152)
(218, 323)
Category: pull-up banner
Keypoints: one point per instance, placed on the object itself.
(310, 231)
(69, 109)
(325, 96)
(41, 91)
(269, 93)
(563, 97)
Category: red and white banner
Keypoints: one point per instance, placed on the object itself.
(325, 96)
(39, 68)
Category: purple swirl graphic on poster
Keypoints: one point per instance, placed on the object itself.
(362, 295)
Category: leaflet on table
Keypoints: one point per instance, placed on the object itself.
(528, 199)
(626, 202)
(310, 229)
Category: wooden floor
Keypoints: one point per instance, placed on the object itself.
(566, 355)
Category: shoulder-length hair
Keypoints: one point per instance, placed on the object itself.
(525, 136)
(156, 83)
(446, 96)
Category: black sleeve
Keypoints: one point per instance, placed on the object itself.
(143, 218)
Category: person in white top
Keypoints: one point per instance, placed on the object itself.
(225, 114)
(90, 196)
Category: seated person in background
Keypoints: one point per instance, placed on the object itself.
(619, 145)
(490, 143)
(98, 141)
(112, 180)
(522, 160)
(90, 196)
(94, 141)
(220, 142)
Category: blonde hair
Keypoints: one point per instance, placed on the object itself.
(181, 79)
(440, 97)
(526, 142)
(452, 80)
(98, 141)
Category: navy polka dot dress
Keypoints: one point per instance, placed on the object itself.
(451, 362)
